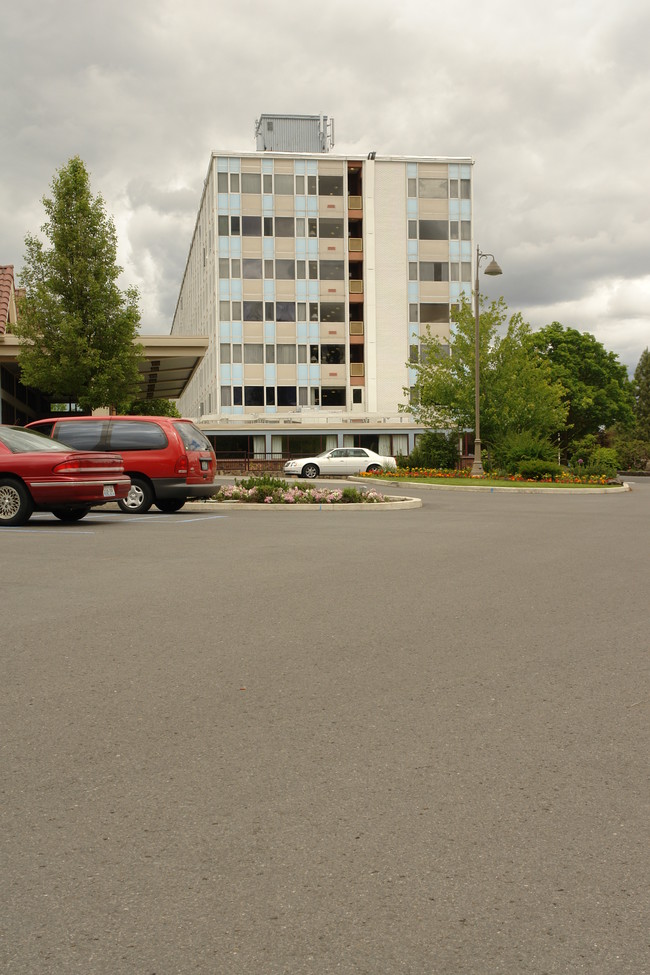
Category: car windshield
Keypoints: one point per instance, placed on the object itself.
(21, 441)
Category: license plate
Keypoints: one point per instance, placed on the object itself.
(205, 464)
(109, 491)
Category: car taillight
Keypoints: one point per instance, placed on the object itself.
(182, 465)
(68, 467)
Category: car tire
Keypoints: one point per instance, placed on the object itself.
(70, 514)
(139, 499)
(169, 505)
(310, 471)
(373, 468)
(16, 503)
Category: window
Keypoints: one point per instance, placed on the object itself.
(453, 189)
(414, 354)
(236, 396)
(300, 226)
(234, 226)
(330, 227)
(330, 185)
(453, 230)
(226, 396)
(332, 355)
(224, 352)
(412, 229)
(311, 185)
(268, 226)
(313, 353)
(251, 183)
(222, 182)
(433, 229)
(300, 185)
(331, 270)
(236, 352)
(434, 271)
(236, 267)
(465, 230)
(413, 271)
(268, 269)
(251, 226)
(301, 273)
(236, 311)
(270, 396)
(454, 274)
(313, 270)
(129, 435)
(270, 353)
(302, 353)
(432, 189)
(413, 313)
(284, 227)
(285, 311)
(284, 184)
(253, 396)
(224, 267)
(222, 226)
(412, 189)
(286, 395)
(313, 311)
(253, 352)
(252, 268)
(333, 397)
(431, 312)
(224, 311)
(312, 227)
(285, 270)
(253, 311)
(286, 354)
(357, 396)
(466, 271)
(302, 311)
(234, 182)
(267, 183)
(303, 393)
(269, 311)
(332, 311)
(80, 434)
(465, 189)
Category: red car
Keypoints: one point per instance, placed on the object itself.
(38, 473)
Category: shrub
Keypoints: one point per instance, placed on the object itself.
(603, 460)
(538, 470)
(515, 448)
(434, 449)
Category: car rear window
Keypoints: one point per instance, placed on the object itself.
(192, 438)
(81, 434)
(136, 435)
(20, 441)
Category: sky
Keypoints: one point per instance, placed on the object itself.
(550, 100)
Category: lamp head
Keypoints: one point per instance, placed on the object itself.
(493, 269)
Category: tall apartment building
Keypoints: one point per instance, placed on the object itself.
(314, 275)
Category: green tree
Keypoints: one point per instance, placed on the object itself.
(516, 391)
(642, 396)
(597, 390)
(78, 329)
(150, 407)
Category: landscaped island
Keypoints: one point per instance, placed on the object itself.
(274, 490)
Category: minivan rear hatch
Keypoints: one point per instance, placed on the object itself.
(202, 465)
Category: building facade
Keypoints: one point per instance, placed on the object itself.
(314, 275)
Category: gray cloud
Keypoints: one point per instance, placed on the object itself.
(550, 101)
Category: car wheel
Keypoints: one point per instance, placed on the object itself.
(139, 499)
(70, 514)
(169, 505)
(310, 471)
(373, 468)
(16, 503)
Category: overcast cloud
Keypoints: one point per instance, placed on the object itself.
(551, 100)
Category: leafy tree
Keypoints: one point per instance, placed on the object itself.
(150, 407)
(78, 329)
(642, 396)
(597, 391)
(516, 391)
(435, 450)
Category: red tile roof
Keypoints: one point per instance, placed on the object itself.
(7, 294)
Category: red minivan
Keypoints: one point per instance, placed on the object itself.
(168, 460)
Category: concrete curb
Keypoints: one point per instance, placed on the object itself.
(527, 489)
(396, 504)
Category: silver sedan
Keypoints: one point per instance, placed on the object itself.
(341, 460)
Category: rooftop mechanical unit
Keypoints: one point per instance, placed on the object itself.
(294, 133)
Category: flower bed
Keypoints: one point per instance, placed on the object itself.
(424, 473)
(273, 491)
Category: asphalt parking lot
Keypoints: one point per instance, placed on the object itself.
(310, 743)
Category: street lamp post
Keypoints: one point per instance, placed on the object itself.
(492, 269)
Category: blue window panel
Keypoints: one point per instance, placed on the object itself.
(453, 171)
(312, 167)
(413, 377)
(454, 209)
(224, 289)
(412, 248)
(466, 289)
(222, 165)
(269, 290)
(222, 202)
(235, 202)
(466, 250)
(269, 375)
(314, 331)
(267, 203)
(224, 249)
(235, 246)
(314, 375)
(454, 289)
(224, 375)
(267, 165)
(313, 290)
(235, 289)
(454, 250)
(235, 165)
(302, 331)
(237, 410)
(225, 409)
(299, 166)
(301, 290)
(412, 208)
(411, 169)
(303, 373)
(466, 209)
(237, 372)
(301, 247)
(301, 204)
(268, 248)
(312, 246)
(413, 291)
(224, 332)
(312, 205)
(269, 332)
(270, 409)
(466, 172)
(236, 329)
